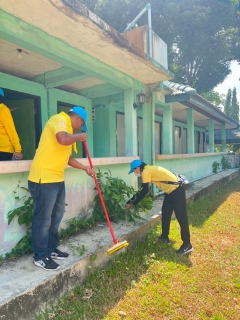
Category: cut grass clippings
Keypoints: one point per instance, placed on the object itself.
(151, 282)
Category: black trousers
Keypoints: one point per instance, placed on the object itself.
(5, 156)
(175, 201)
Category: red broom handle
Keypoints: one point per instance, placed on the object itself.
(100, 193)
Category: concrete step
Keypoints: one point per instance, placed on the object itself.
(25, 289)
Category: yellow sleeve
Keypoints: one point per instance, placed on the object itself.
(59, 125)
(11, 130)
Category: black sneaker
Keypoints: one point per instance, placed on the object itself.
(164, 240)
(184, 249)
(47, 264)
(57, 254)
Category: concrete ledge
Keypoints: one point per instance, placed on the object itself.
(188, 155)
(26, 289)
(200, 188)
(24, 165)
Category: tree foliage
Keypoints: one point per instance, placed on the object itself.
(231, 107)
(203, 36)
(235, 106)
(227, 106)
(215, 98)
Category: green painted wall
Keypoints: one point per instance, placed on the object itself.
(104, 127)
(193, 168)
(101, 131)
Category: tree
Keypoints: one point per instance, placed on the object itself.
(228, 104)
(215, 98)
(235, 106)
(231, 106)
(202, 35)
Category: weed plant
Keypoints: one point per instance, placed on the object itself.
(224, 164)
(150, 281)
(115, 193)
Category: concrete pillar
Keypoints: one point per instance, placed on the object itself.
(211, 135)
(153, 101)
(130, 123)
(88, 108)
(201, 140)
(155, 190)
(147, 132)
(190, 131)
(223, 131)
(167, 130)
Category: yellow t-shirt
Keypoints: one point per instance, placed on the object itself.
(51, 158)
(9, 140)
(155, 174)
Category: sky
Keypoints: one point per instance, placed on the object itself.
(233, 80)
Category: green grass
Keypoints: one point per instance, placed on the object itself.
(152, 282)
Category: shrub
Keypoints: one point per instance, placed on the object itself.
(215, 166)
(115, 193)
(225, 163)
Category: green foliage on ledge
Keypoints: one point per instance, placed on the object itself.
(224, 164)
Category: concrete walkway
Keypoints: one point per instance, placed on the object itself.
(25, 288)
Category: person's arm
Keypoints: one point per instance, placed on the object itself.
(139, 196)
(12, 133)
(67, 139)
(76, 164)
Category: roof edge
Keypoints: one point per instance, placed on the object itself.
(120, 40)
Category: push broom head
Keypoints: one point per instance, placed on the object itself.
(117, 247)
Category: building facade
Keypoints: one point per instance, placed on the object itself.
(57, 54)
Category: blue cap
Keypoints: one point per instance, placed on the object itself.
(1, 92)
(80, 111)
(134, 164)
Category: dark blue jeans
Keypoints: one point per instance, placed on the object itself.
(49, 207)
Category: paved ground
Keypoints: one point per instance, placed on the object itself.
(26, 288)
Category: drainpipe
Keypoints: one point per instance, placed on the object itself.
(148, 7)
(130, 25)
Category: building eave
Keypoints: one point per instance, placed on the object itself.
(73, 23)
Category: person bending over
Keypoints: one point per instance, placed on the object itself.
(174, 200)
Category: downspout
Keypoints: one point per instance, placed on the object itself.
(148, 7)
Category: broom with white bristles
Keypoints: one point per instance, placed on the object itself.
(117, 246)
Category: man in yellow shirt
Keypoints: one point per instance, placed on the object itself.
(174, 199)
(46, 182)
(10, 146)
